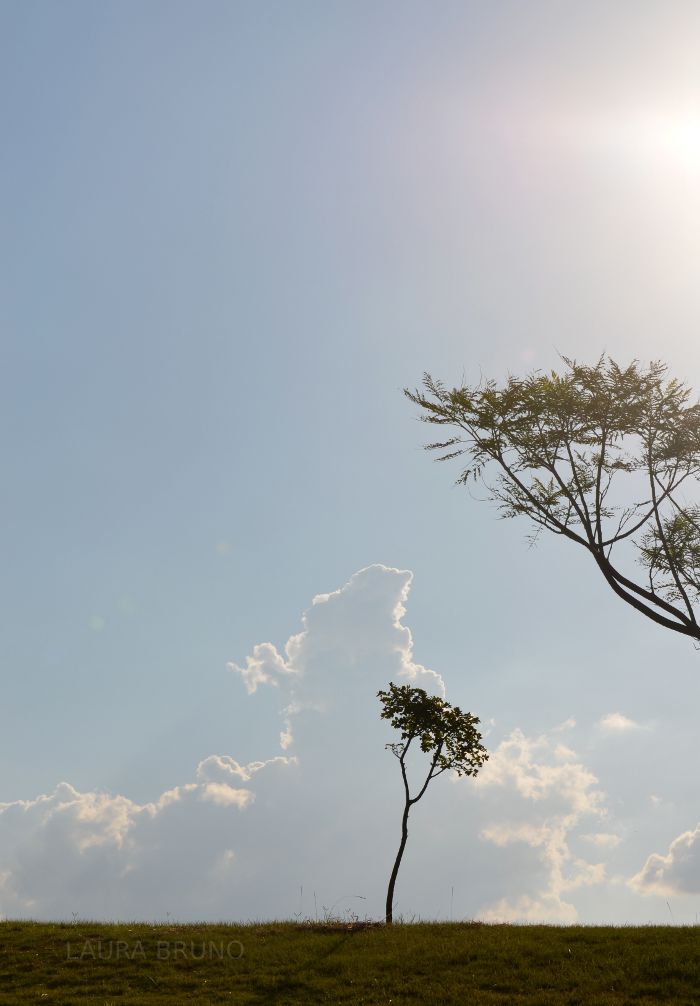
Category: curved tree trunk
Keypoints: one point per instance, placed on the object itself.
(397, 863)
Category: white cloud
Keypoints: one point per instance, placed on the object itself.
(546, 774)
(320, 811)
(365, 593)
(223, 768)
(603, 839)
(677, 873)
(226, 796)
(617, 723)
(349, 635)
(527, 909)
(503, 834)
(95, 853)
(540, 769)
(265, 667)
(239, 840)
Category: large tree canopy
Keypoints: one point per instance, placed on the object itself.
(601, 455)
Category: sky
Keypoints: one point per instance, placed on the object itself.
(232, 233)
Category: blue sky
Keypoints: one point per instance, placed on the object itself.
(232, 233)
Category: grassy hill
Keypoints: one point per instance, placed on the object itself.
(336, 962)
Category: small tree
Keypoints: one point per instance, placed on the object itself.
(559, 448)
(443, 732)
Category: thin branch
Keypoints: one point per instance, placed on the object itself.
(584, 504)
(662, 536)
(430, 773)
(598, 495)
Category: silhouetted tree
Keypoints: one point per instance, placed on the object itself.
(443, 732)
(598, 455)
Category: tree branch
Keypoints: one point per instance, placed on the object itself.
(616, 581)
(430, 773)
(662, 536)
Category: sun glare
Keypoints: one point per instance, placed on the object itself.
(676, 138)
(663, 138)
(650, 139)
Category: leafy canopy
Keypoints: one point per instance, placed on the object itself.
(443, 731)
(602, 456)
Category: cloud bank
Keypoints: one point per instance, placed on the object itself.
(314, 823)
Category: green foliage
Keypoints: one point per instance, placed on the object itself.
(446, 963)
(601, 455)
(445, 732)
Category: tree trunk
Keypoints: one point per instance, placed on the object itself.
(397, 864)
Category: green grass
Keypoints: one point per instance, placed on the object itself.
(284, 963)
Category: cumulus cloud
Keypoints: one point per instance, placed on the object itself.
(265, 667)
(528, 909)
(320, 812)
(617, 723)
(350, 637)
(359, 621)
(568, 724)
(556, 793)
(603, 839)
(94, 852)
(226, 796)
(539, 769)
(677, 873)
(225, 769)
(239, 839)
